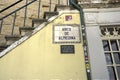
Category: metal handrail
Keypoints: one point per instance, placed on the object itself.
(10, 6)
(17, 9)
(15, 12)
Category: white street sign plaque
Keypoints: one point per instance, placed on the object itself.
(66, 33)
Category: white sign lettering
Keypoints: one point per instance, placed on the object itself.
(66, 33)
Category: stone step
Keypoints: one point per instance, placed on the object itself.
(36, 22)
(48, 15)
(3, 47)
(25, 30)
(2, 39)
(62, 7)
(11, 39)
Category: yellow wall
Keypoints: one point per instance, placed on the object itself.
(38, 58)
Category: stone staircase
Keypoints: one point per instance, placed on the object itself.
(10, 39)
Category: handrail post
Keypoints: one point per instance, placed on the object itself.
(58, 2)
(13, 25)
(1, 23)
(50, 6)
(39, 4)
(68, 2)
(25, 14)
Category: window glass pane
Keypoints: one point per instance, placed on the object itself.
(114, 45)
(118, 71)
(108, 58)
(117, 58)
(106, 45)
(110, 30)
(118, 29)
(103, 30)
(111, 73)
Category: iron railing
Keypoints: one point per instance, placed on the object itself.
(6, 8)
(25, 8)
(15, 13)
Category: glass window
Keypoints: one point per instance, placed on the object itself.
(111, 46)
(117, 57)
(111, 73)
(110, 30)
(118, 71)
(106, 45)
(118, 29)
(119, 43)
(114, 45)
(108, 58)
(103, 30)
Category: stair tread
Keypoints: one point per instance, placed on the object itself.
(3, 46)
(11, 39)
(39, 20)
(26, 28)
(62, 7)
(12, 36)
(50, 13)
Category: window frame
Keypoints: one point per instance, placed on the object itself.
(110, 37)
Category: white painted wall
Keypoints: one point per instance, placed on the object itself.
(96, 53)
(102, 16)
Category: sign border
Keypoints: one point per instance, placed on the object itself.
(74, 25)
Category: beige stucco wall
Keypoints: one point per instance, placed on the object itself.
(38, 58)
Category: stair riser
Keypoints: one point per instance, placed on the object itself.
(23, 32)
(1, 50)
(10, 40)
(35, 24)
(3, 47)
(48, 15)
(62, 8)
(2, 39)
